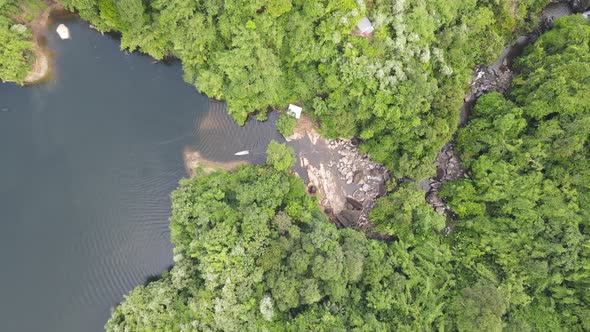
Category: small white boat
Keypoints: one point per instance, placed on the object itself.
(242, 153)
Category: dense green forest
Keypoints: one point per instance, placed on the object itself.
(399, 90)
(523, 211)
(16, 51)
(254, 253)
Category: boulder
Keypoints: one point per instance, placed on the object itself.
(348, 218)
(354, 203)
(581, 5)
(358, 176)
(432, 198)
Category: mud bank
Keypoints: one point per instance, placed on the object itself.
(40, 68)
(42, 65)
(196, 164)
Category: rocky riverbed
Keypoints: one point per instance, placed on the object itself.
(345, 180)
(448, 168)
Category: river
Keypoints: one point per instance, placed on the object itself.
(88, 161)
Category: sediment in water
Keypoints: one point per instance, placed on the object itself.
(41, 67)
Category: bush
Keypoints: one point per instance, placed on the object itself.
(286, 124)
(280, 156)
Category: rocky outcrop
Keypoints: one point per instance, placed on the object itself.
(580, 5)
(555, 10)
(346, 181)
(365, 180)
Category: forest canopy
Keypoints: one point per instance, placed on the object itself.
(254, 252)
(523, 209)
(16, 51)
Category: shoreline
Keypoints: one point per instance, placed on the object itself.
(41, 67)
(195, 164)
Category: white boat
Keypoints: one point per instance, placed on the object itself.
(242, 153)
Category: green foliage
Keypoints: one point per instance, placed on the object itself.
(16, 54)
(254, 252)
(480, 308)
(286, 124)
(280, 156)
(405, 215)
(277, 8)
(523, 210)
(109, 13)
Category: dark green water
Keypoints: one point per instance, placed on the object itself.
(88, 161)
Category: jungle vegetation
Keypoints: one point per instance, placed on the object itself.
(286, 124)
(16, 48)
(254, 252)
(524, 222)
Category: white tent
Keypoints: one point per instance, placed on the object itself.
(295, 111)
(365, 26)
(586, 15)
(63, 31)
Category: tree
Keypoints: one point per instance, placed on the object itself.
(522, 216)
(405, 215)
(399, 91)
(286, 124)
(279, 156)
(16, 54)
(247, 260)
(480, 308)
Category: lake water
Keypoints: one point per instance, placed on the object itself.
(87, 164)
